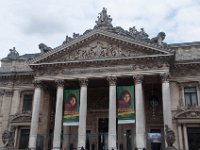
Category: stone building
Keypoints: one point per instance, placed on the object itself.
(165, 79)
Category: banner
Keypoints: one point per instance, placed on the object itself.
(125, 104)
(71, 107)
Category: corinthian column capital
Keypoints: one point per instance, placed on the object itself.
(165, 77)
(37, 83)
(112, 80)
(138, 78)
(83, 81)
(59, 82)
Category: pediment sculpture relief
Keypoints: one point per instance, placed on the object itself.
(21, 117)
(188, 114)
(100, 49)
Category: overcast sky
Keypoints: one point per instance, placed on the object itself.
(26, 23)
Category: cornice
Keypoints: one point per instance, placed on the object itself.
(97, 33)
(104, 60)
(191, 63)
(16, 75)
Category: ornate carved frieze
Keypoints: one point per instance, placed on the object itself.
(23, 81)
(113, 67)
(112, 80)
(96, 70)
(187, 69)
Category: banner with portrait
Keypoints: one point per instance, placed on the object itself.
(125, 104)
(71, 107)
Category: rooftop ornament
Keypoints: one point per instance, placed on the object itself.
(13, 53)
(44, 48)
(104, 20)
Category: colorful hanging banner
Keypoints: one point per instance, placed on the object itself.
(71, 107)
(125, 104)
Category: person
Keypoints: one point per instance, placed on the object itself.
(125, 100)
(72, 103)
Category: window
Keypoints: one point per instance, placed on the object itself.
(190, 94)
(27, 102)
(24, 138)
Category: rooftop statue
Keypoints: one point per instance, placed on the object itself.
(13, 53)
(67, 39)
(44, 48)
(104, 20)
(159, 39)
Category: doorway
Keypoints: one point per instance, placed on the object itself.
(103, 134)
(193, 138)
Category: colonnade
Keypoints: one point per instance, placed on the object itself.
(112, 131)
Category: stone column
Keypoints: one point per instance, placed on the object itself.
(166, 99)
(58, 115)
(180, 137)
(185, 137)
(66, 137)
(140, 113)
(35, 115)
(112, 131)
(82, 114)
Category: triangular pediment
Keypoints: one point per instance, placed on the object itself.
(101, 45)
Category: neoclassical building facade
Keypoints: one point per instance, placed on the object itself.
(165, 79)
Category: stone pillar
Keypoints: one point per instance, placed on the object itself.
(15, 102)
(112, 131)
(140, 113)
(35, 115)
(166, 99)
(66, 137)
(180, 137)
(6, 107)
(185, 137)
(58, 115)
(82, 114)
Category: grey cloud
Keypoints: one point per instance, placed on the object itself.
(43, 27)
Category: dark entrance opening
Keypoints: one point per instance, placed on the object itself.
(155, 137)
(103, 134)
(193, 138)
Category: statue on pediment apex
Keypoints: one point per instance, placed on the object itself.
(104, 20)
